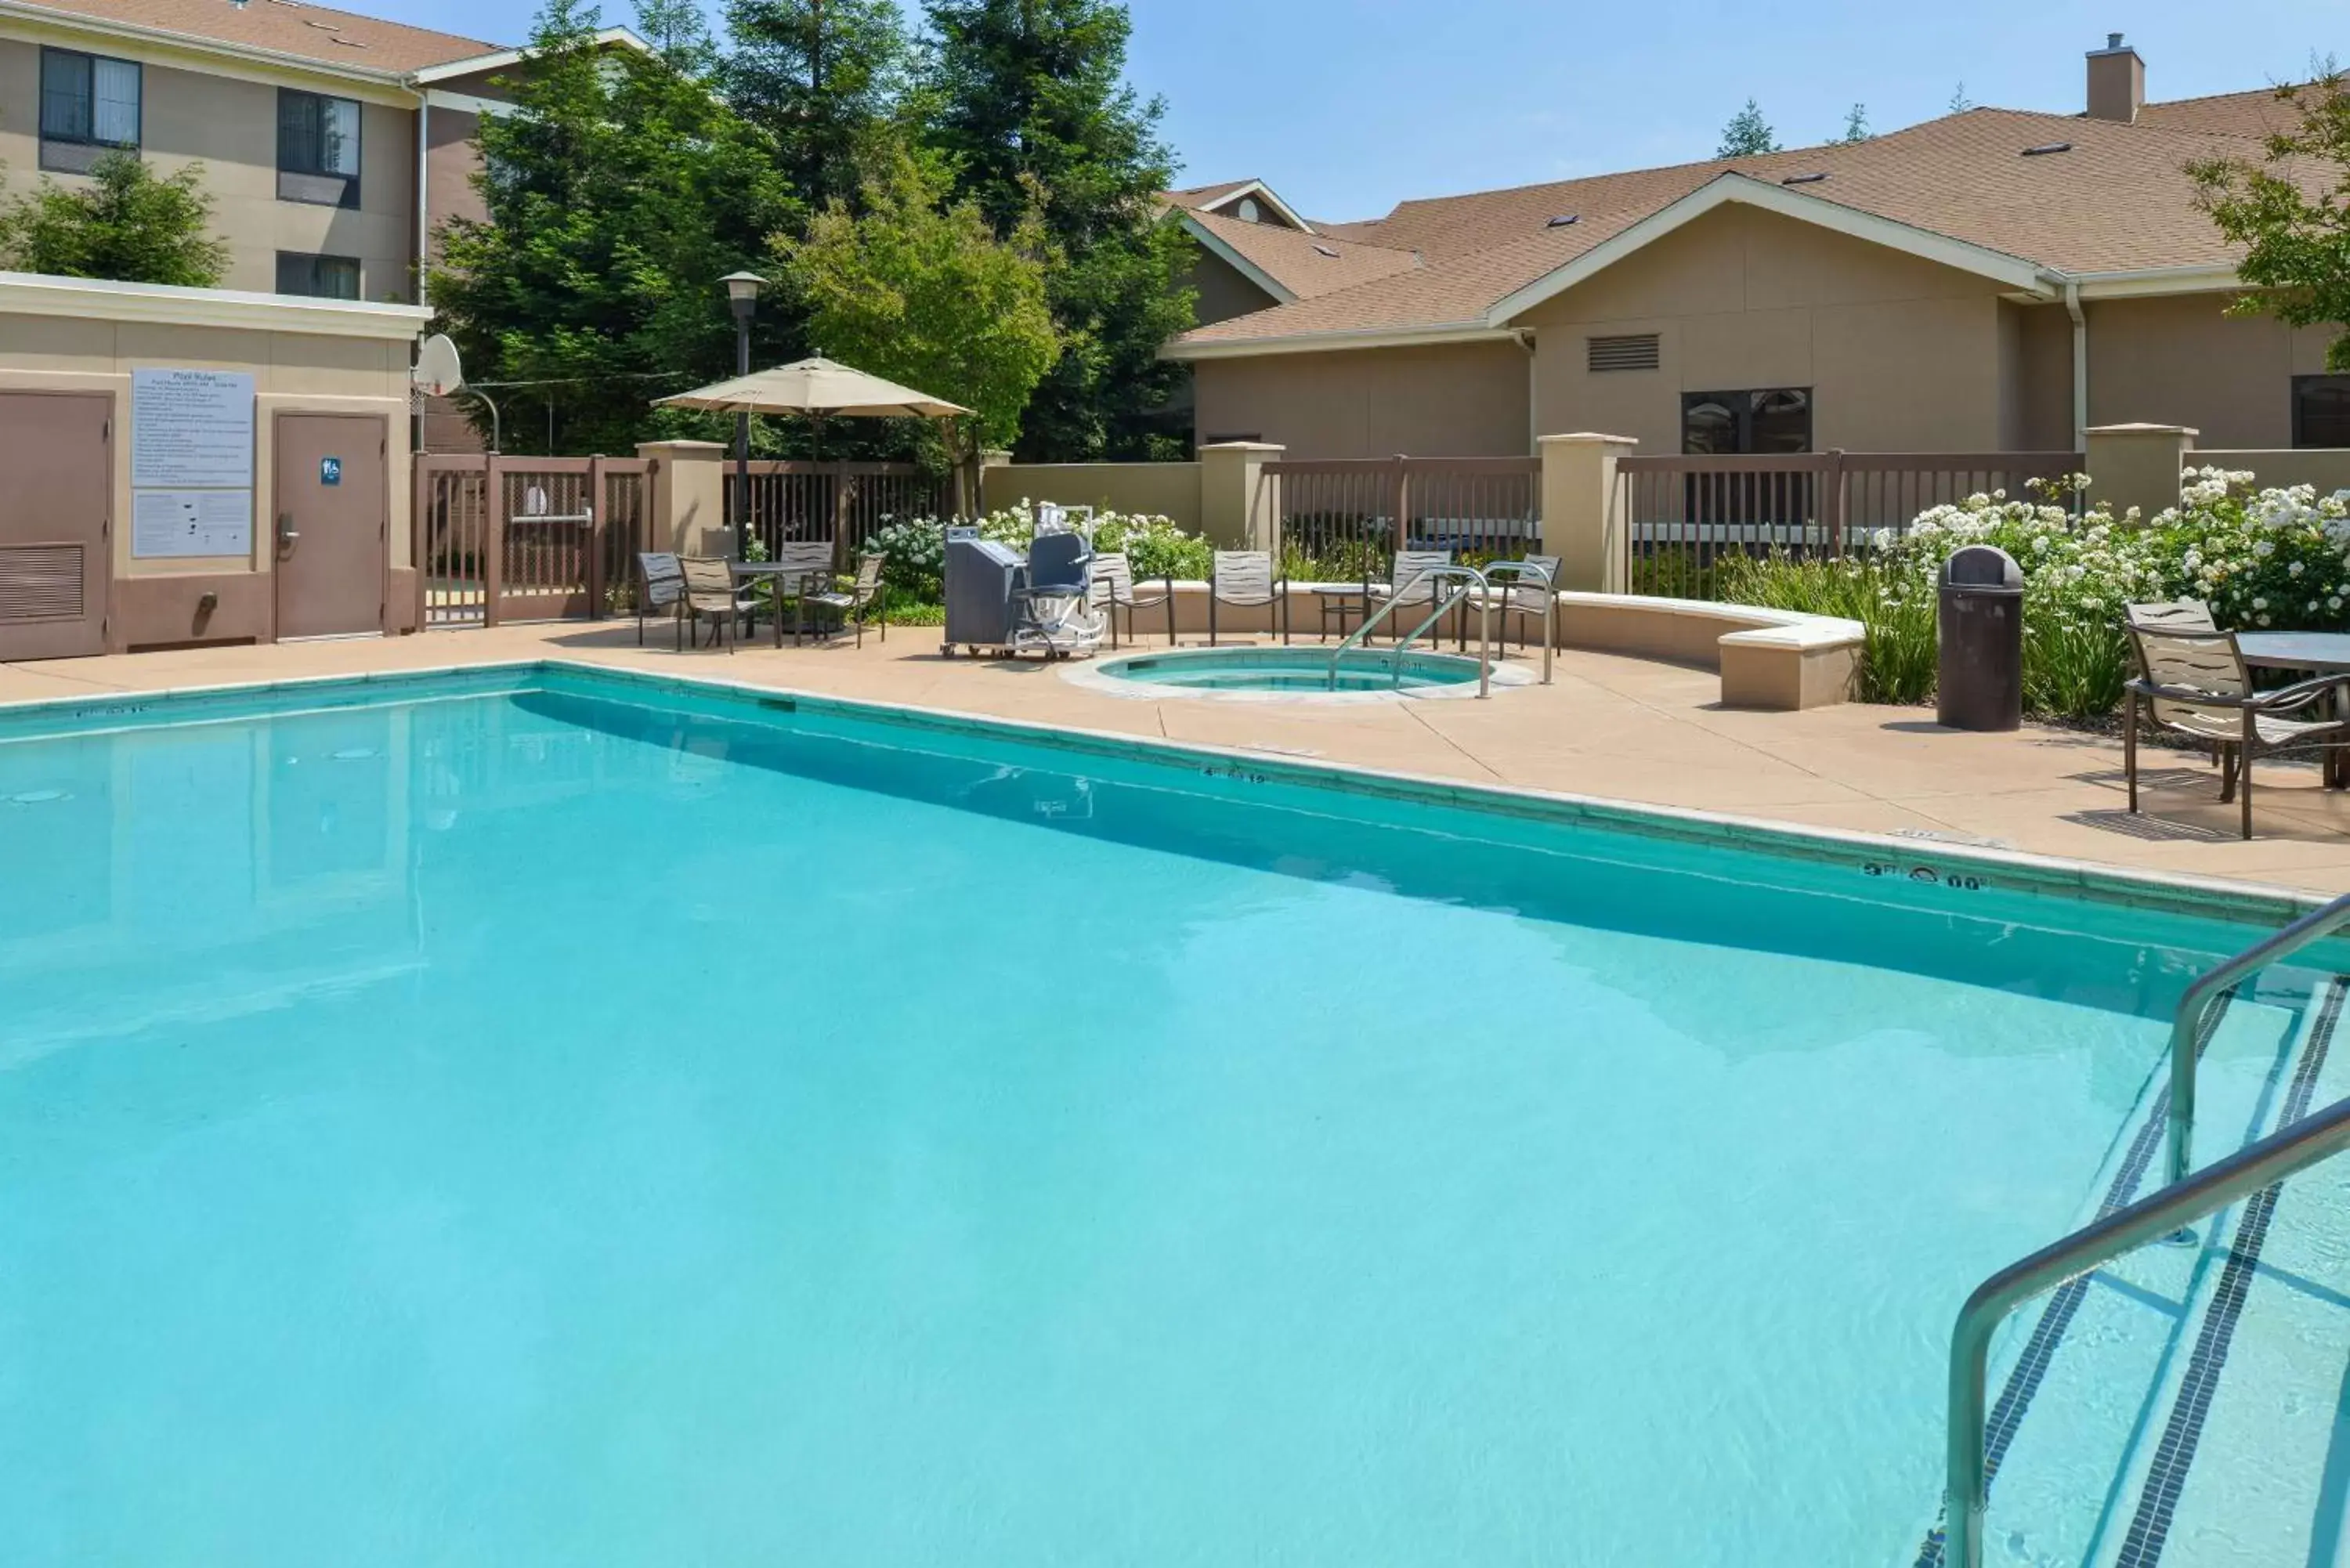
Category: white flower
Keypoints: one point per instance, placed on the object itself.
(2260, 604)
(2264, 547)
(2333, 602)
(2293, 570)
(2264, 620)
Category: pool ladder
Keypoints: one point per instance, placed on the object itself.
(1515, 573)
(2162, 1215)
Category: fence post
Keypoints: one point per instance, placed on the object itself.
(597, 527)
(2137, 465)
(494, 548)
(1228, 476)
(1831, 507)
(1582, 523)
(1401, 486)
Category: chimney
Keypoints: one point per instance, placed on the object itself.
(2116, 81)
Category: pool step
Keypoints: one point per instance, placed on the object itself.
(2086, 1385)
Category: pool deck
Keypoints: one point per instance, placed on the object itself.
(1624, 729)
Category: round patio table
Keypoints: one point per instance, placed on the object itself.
(2319, 652)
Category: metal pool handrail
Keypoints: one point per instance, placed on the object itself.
(2195, 1009)
(1398, 601)
(1967, 1488)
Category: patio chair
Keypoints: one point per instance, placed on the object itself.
(1244, 579)
(660, 585)
(2173, 615)
(2195, 683)
(1402, 588)
(803, 566)
(1111, 589)
(844, 606)
(710, 593)
(1530, 591)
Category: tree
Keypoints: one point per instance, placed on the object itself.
(916, 287)
(1856, 125)
(126, 224)
(821, 77)
(2291, 213)
(676, 32)
(1747, 134)
(619, 194)
(1026, 102)
(1960, 101)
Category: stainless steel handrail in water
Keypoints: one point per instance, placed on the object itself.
(2195, 1009)
(1402, 596)
(1967, 1490)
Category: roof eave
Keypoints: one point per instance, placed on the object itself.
(1338, 342)
(2202, 277)
(497, 58)
(1257, 187)
(1223, 251)
(2016, 273)
(197, 42)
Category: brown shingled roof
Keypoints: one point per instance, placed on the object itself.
(1305, 264)
(339, 38)
(2118, 200)
(2254, 114)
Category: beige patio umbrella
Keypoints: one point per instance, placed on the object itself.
(815, 387)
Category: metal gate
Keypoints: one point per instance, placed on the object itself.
(526, 538)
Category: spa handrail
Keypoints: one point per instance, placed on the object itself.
(1400, 597)
(1967, 1488)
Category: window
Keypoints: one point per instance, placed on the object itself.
(2321, 411)
(1773, 420)
(1636, 352)
(318, 148)
(89, 106)
(319, 277)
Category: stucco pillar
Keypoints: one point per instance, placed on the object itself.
(1240, 508)
(991, 459)
(2137, 465)
(688, 498)
(1581, 523)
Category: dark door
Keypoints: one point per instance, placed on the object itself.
(55, 523)
(333, 501)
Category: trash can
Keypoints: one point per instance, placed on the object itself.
(1981, 676)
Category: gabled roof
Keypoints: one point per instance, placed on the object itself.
(2117, 202)
(2254, 114)
(1289, 264)
(1217, 198)
(342, 40)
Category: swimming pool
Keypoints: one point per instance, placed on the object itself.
(1293, 671)
(545, 1116)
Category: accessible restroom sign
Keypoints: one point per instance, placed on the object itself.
(190, 463)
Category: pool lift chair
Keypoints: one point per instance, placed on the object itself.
(997, 600)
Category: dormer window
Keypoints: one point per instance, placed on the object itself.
(1248, 212)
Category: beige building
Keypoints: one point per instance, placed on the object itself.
(1995, 280)
(333, 145)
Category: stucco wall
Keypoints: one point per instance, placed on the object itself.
(1169, 489)
(1461, 400)
(229, 123)
(449, 160)
(292, 372)
(1901, 354)
(2182, 361)
(2036, 377)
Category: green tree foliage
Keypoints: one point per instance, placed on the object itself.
(822, 79)
(1027, 103)
(617, 195)
(1747, 134)
(125, 225)
(2291, 213)
(1856, 125)
(1959, 102)
(914, 284)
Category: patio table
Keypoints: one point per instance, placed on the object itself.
(2319, 652)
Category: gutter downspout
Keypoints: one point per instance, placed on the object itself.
(1525, 337)
(2080, 366)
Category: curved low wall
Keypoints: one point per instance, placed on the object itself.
(1767, 658)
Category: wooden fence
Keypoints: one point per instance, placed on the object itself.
(526, 538)
(1345, 518)
(840, 502)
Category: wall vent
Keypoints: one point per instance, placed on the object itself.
(40, 582)
(1636, 352)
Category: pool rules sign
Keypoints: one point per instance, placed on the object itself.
(190, 463)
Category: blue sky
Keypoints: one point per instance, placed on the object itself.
(1349, 106)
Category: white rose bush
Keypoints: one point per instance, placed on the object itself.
(913, 549)
(2278, 557)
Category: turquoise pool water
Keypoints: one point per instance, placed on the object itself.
(1301, 670)
(569, 1122)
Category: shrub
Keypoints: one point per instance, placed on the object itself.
(2266, 558)
(913, 549)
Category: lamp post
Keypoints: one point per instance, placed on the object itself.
(743, 295)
